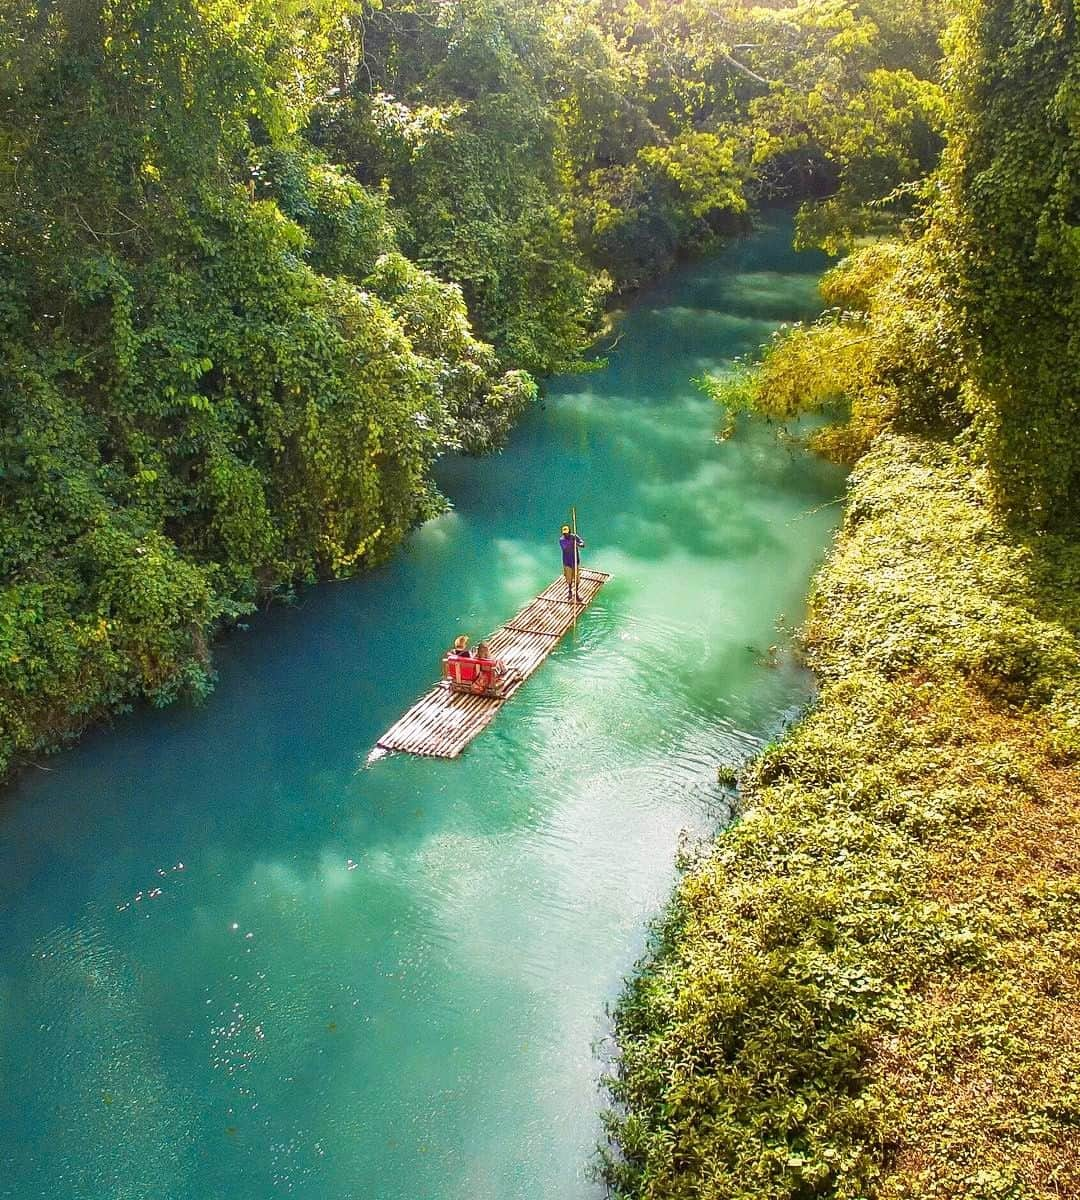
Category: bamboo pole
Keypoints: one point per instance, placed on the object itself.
(577, 562)
(577, 551)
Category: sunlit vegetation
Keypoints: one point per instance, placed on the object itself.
(868, 987)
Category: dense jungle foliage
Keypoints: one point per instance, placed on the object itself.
(967, 327)
(868, 987)
(261, 263)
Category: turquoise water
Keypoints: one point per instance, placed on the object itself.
(232, 964)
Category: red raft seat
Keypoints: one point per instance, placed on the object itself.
(477, 676)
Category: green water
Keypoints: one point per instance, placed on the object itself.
(232, 965)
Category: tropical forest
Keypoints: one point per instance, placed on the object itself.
(736, 349)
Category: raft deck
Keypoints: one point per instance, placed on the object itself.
(443, 722)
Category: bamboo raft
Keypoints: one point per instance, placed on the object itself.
(443, 722)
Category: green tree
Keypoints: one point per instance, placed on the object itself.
(449, 107)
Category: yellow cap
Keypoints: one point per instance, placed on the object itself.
(461, 641)
(566, 529)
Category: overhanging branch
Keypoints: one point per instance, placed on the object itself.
(744, 70)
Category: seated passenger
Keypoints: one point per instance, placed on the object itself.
(488, 670)
(459, 665)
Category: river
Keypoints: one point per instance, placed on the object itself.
(233, 965)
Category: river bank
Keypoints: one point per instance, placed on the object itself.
(870, 984)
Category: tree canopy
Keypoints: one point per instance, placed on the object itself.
(965, 321)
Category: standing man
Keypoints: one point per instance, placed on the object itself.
(571, 545)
